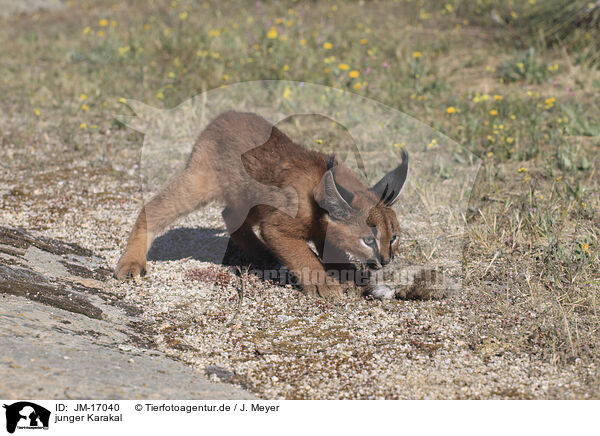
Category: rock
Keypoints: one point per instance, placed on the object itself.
(55, 273)
(66, 334)
(221, 373)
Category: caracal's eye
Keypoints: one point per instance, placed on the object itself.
(394, 239)
(369, 241)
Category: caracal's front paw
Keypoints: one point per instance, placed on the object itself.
(128, 269)
(325, 291)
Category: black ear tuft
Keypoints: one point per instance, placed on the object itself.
(330, 162)
(389, 187)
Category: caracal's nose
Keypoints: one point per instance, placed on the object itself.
(373, 264)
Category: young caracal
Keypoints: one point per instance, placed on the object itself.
(289, 194)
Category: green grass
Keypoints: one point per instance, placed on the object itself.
(527, 107)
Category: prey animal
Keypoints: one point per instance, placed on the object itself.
(281, 198)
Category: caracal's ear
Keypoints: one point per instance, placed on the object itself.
(388, 189)
(328, 197)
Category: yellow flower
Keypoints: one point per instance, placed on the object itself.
(213, 32)
(493, 112)
(84, 107)
(513, 117)
(584, 205)
(354, 74)
(490, 154)
(586, 248)
(303, 42)
(344, 67)
(319, 141)
(286, 93)
(417, 54)
(279, 20)
(122, 100)
(498, 97)
(146, 26)
(113, 23)
(451, 110)
(356, 86)
(549, 102)
(103, 22)
(327, 46)
(160, 95)
(183, 16)
(432, 143)
(522, 170)
(363, 41)
(36, 112)
(400, 145)
(272, 34)
(87, 30)
(171, 75)
(510, 140)
(285, 68)
(100, 33)
(83, 126)
(123, 50)
(82, 97)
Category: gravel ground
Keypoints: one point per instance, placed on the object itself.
(280, 344)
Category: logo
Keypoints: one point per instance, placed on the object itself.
(26, 415)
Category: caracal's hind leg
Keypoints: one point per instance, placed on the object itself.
(185, 193)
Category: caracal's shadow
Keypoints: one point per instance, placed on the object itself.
(214, 245)
(203, 244)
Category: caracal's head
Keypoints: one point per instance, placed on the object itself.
(360, 221)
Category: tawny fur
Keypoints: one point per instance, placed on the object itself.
(275, 161)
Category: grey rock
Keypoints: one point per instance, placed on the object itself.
(64, 334)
